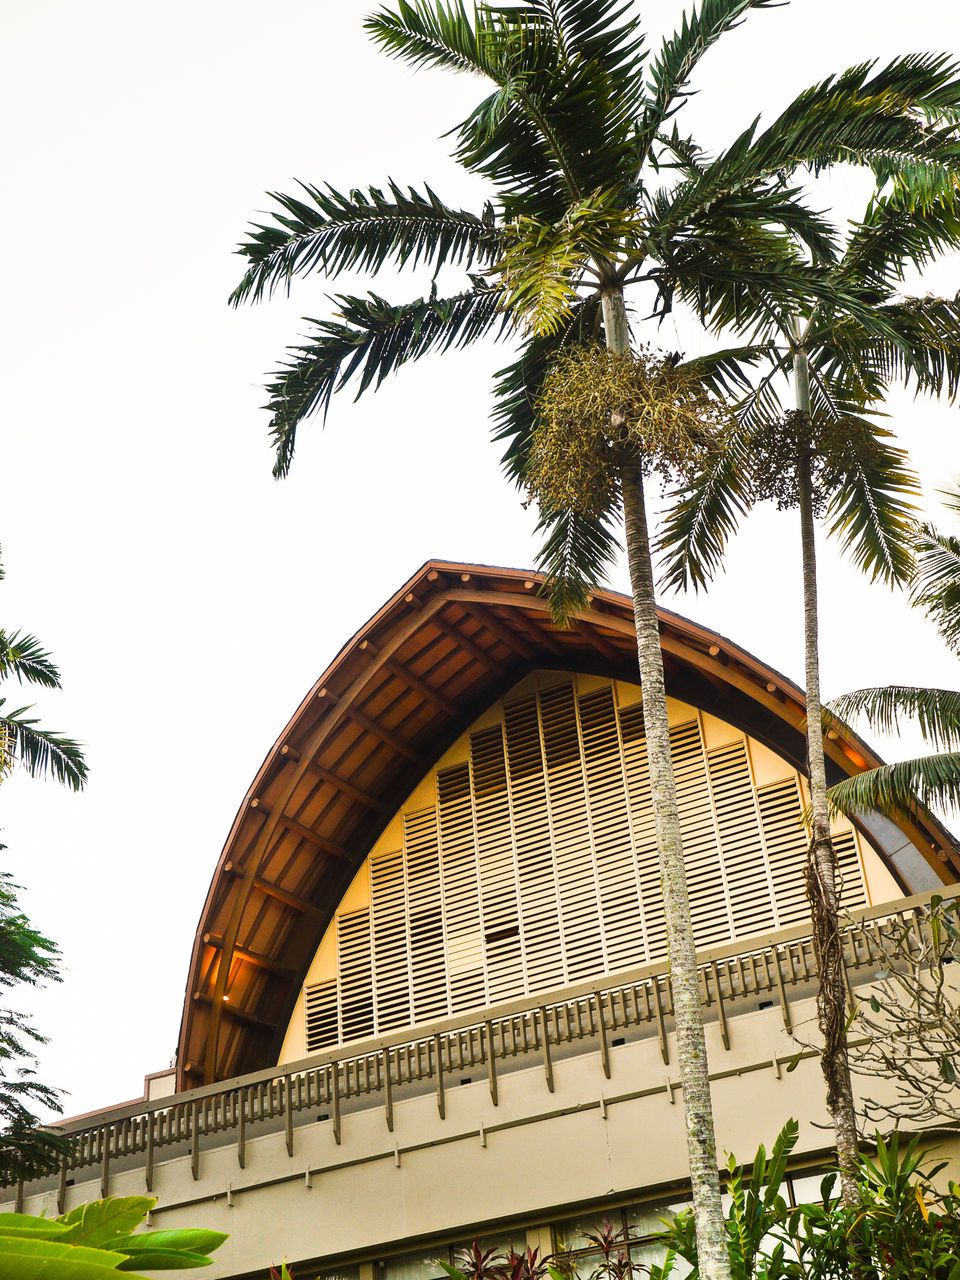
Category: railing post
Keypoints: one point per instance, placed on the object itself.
(242, 1096)
(784, 1002)
(105, 1162)
(547, 1061)
(387, 1090)
(438, 1056)
(602, 1031)
(661, 1029)
(288, 1113)
(491, 1063)
(335, 1099)
(148, 1170)
(195, 1135)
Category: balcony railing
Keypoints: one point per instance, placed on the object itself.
(774, 965)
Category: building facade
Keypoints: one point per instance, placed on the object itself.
(428, 997)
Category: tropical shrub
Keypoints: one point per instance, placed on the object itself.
(95, 1239)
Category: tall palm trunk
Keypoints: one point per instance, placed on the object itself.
(712, 1254)
(821, 874)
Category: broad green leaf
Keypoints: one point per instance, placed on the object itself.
(106, 1222)
(26, 1225)
(22, 1259)
(164, 1260)
(185, 1240)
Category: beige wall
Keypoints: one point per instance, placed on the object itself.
(533, 1157)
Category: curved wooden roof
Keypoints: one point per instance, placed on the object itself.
(409, 683)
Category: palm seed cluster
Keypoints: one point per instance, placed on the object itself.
(598, 411)
(836, 446)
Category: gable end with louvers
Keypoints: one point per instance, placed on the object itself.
(533, 863)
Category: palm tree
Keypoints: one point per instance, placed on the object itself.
(22, 740)
(830, 456)
(595, 190)
(932, 779)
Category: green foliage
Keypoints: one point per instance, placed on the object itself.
(96, 1239)
(927, 780)
(22, 740)
(756, 1208)
(26, 956)
(597, 411)
(936, 585)
(901, 1227)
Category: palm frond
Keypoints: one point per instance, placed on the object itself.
(40, 751)
(431, 35)
(936, 584)
(935, 711)
(704, 515)
(372, 339)
(333, 232)
(871, 513)
(576, 554)
(679, 54)
(22, 656)
(901, 788)
(899, 229)
(859, 118)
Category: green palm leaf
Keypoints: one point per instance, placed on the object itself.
(936, 711)
(704, 515)
(699, 30)
(38, 750)
(871, 513)
(858, 118)
(576, 556)
(22, 656)
(373, 339)
(936, 586)
(332, 232)
(899, 788)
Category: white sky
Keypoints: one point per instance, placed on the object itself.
(189, 598)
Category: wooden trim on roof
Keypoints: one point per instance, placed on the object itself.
(365, 761)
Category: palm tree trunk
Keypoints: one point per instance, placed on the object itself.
(712, 1254)
(821, 872)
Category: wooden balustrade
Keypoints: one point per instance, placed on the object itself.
(754, 968)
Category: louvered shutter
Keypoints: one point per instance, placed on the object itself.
(576, 875)
(744, 860)
(786, 840)
(538, 866)
(644, 829)
(536, 871)
(425, 907)
(498, 877)
(355, 974)
(390, 941)
(705, 887)
(610, 823)
(320, 1001)
(461, 897)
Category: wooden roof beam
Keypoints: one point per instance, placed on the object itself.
(287, 753)
(414, 682)
(508, 635)
(256, 958)
(235, 1012)
(390, 739)
(304, 832)
(286, 896)
(467, 644)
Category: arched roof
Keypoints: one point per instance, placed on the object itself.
(410, 682)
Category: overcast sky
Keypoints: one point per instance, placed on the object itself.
(189, 598)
